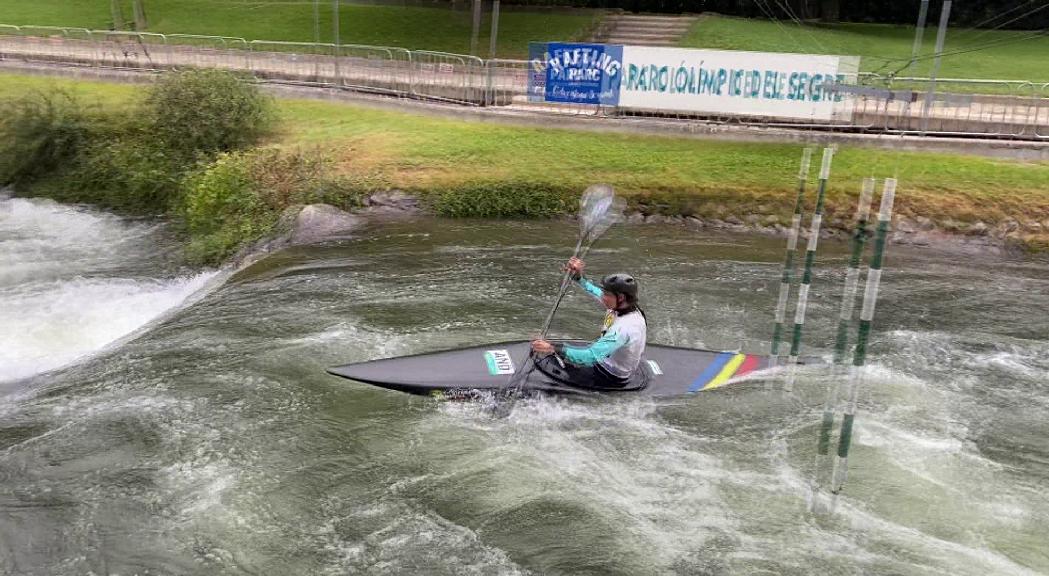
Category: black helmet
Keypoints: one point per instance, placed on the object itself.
(620, 284)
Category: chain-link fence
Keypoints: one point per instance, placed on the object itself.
(880, 104)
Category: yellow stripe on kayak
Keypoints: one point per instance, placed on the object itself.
(727, 372)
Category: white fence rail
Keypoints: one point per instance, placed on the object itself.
(960, 107)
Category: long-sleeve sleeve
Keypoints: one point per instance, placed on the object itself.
(590, 288)
(602, 348)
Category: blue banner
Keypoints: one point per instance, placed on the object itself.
(575, 73)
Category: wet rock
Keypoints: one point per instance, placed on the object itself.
(677, 219)
(770, 220)
(734, 220)
(977, 229)
(316, 222)
(694, 222)
(655, 219)
(393, 199)
(904, 225)
(924, 223)
(1033, 226)
(752, 219)
(635, 218)
(715, 223)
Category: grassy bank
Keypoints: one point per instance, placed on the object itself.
(998, 54)
(438, 29)
(458, 165)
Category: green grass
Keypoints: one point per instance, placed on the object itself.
(884, 47)
(414, 28)
(381, 149)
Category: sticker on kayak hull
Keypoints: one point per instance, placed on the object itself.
(499, 362)
(655, 367)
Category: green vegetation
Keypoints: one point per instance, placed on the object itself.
(438, 29)
(1013, 55)
(206, 112)
(239, 197)
(132, 157)
(476, 169)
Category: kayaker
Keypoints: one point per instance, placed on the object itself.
(610, 360)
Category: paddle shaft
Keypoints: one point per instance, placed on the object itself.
(522, 375)
(563, 290)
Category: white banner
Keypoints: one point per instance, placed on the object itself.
(737, 83)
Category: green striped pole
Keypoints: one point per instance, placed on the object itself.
(870, 297)
(848, 306)
(810, 256)
(788, 261)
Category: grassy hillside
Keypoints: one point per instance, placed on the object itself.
(380, 149)
(1011, 55)
(414, 28)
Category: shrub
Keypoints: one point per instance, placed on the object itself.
(239, 197)
(127, 174)
(505, 200)
(205, 112)
(40, 134)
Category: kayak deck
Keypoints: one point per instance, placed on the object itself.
(671, 371)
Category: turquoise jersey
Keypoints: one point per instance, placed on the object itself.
(621, 344)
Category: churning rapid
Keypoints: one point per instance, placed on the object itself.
(214, 443)
(73, 280)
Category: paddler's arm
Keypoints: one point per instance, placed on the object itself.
(602, 348)
(575, 268)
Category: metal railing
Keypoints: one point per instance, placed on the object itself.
(881, 104)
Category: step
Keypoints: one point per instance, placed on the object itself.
(633, 18)
(674, 30)
(670, 24)
(635, 36)
(634, 42)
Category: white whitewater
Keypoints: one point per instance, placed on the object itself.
(73, 280)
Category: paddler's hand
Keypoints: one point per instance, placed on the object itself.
(542, 347)
(575, 267)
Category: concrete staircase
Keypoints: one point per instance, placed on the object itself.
(636, 30)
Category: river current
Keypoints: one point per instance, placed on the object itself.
(159, 421)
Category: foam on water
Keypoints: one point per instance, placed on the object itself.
(73, 280)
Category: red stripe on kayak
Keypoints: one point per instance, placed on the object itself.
(748, 365)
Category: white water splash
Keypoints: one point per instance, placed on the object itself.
(73, 280)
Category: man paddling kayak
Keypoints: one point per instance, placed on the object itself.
(609, 361)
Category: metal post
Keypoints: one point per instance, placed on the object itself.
(848, 305)
(316, 37)
(317, 21)
(335, 38)
(788, 261)
(919, 33)
(117, 14)
(806, 278)
(941, 33)
(495, 28)
(140, 15)
(476, 27)
(870, 298)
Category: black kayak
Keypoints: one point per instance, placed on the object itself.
(467, 372)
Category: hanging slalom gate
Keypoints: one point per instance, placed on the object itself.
(825, 475)
(848, 300)
(788, 261)
(881, 105)
(806, 277)
(870, 298)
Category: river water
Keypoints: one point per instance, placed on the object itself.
(154, 421)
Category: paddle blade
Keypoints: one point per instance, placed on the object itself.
(599, 208)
